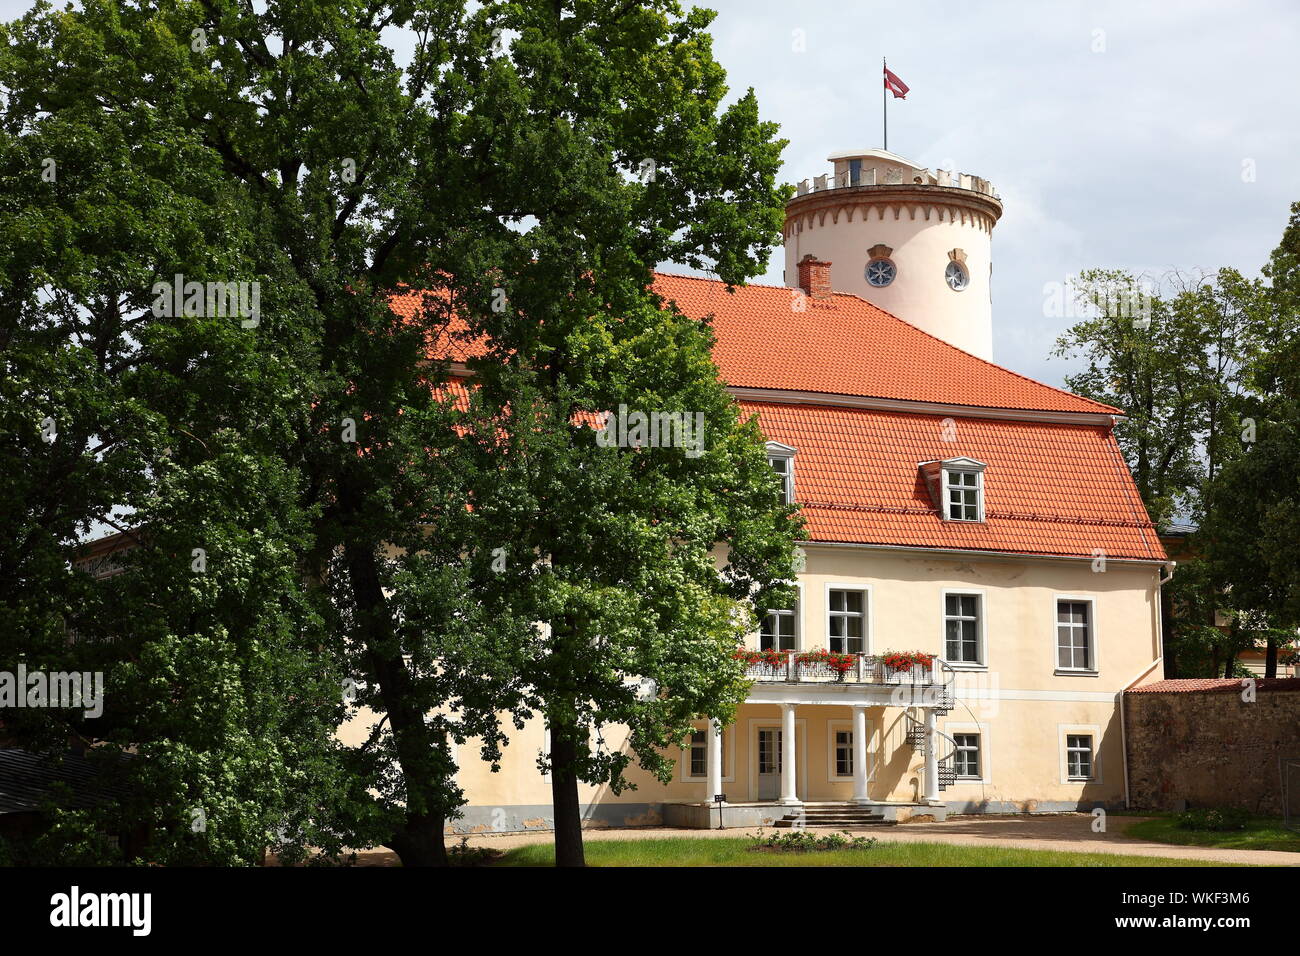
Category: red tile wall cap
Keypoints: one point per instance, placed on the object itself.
(1216, 685)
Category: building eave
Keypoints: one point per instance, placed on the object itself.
(977, 553)
(787, 397)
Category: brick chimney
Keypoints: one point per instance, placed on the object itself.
(815, 277)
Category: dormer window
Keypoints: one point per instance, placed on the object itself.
(957, 487)
(781, 458)
(963, 495)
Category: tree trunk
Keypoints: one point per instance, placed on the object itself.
(1270, 659)
(564, 797)
(420, 841)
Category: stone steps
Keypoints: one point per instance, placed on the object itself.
(844, 817)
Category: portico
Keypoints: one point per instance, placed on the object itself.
(803, 693)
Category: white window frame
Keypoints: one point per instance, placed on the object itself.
(978, 749)
(728, 755)
(799, 607)
(837, 725)
(981, 630)
(868, 612)
(834, 727)
(950, 468)
(953, 728)
(778, 451)
(1063, 733)
(1094, 664)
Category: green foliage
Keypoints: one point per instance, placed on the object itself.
(805, 841)
(462, 854)
(170, 425)
(1179, 380)
(1214, 820)
(289, 147)
(1211, 398)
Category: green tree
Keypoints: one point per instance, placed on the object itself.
(1175, 357)
(615, 550)
(537, 156)
(1200, 366)
(1253, 508)
(115, 417)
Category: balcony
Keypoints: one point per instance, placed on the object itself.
(925, 684)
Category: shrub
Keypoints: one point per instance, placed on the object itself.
(1213, 820)
(462, 854)
(802, 841)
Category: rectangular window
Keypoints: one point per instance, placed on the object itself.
(1073, 636)
(778, 632)
(961, 621)
(962, 495)
(784, 467)
(967, 760)
(699, 754)
(843, 753)
(769, 750)
(1078, 756)
(846, 622)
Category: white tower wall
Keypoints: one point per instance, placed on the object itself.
(885, 207)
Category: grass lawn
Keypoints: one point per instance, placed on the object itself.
(704, 851)
(1261, 833)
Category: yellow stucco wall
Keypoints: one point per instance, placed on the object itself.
(1018, 703)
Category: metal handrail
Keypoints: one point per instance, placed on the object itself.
(951, 755)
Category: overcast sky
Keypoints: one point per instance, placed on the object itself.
(1131, 157)
(1116, 133)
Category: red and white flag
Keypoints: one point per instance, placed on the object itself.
(895, 85)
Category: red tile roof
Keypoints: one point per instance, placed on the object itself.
(1216, 685)
(1057, 488)
(845, 345)
(1049, 488)
(450, 341)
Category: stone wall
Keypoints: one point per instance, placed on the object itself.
(1200, 742)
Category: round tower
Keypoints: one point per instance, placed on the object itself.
(915, 242)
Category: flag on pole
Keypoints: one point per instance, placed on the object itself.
(895, 85)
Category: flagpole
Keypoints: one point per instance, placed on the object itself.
(884, 102)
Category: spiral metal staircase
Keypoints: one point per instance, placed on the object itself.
(917, 737)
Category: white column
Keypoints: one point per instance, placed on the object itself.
(713, 741)
(860, 755)
(931, 756)
(788, 794)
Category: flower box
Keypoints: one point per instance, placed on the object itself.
(900, 663)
